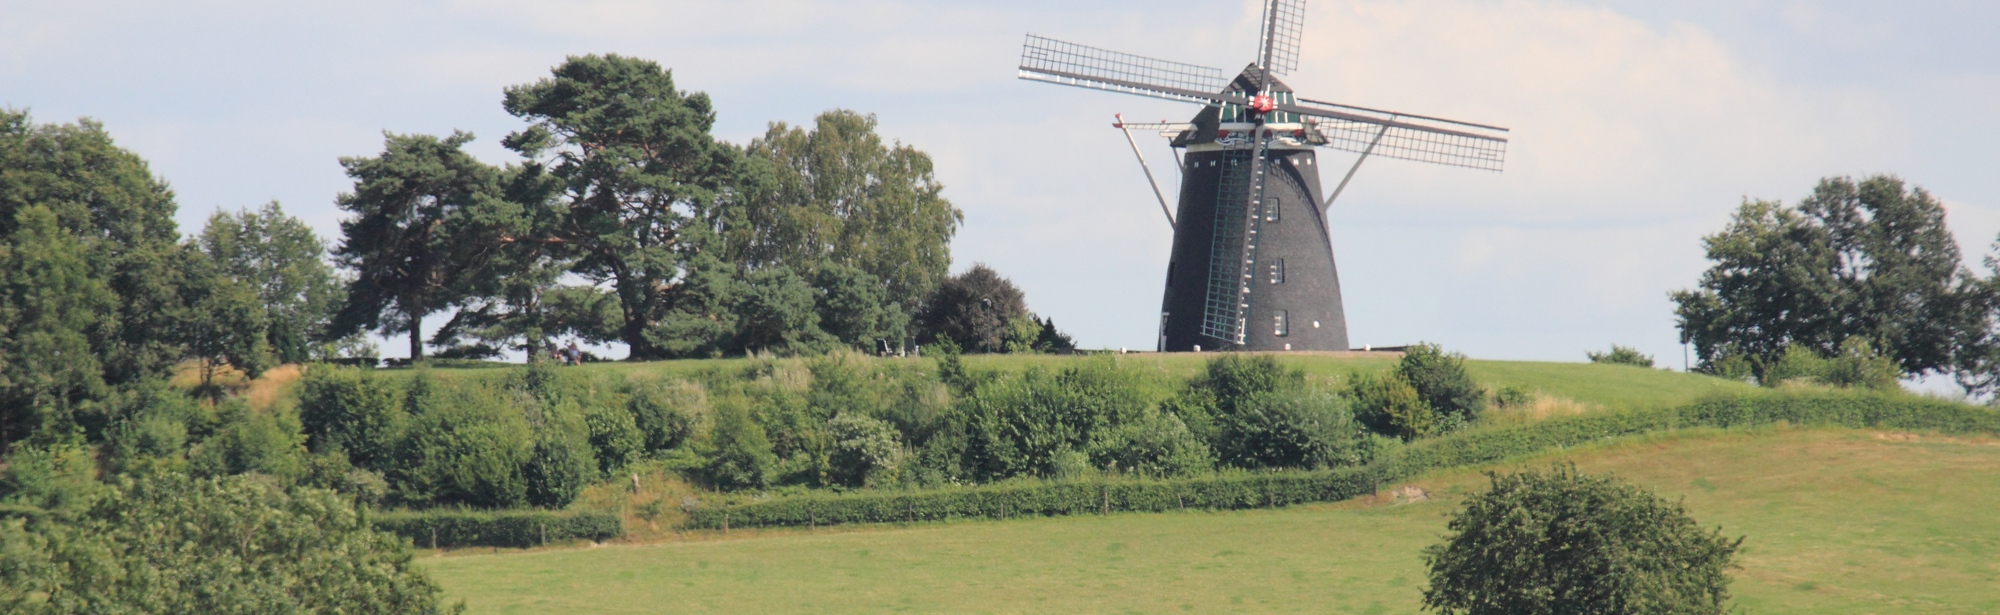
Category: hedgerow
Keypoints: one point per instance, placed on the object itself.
(1239, 490)
(444, 528)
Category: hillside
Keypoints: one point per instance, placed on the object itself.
(1838, 521)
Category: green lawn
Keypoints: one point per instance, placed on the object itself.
(1837, 522)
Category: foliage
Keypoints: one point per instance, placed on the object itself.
(450, 529)
(124, 297)
(777, 315)
(1564, 542)
(247, 441)
(641, 183)
(279, 257)
(464, 445)
(1152, 444)
(1021, 425)
(868, 216)
(742, 457)
(1470, 447)
(1386, 404)
(866, 451)
(170, 544)
(671, 413)
(1621, 355)
(1870, 259)
(414, 239)
(557, 470)
(975, 310)
(50, 311)
(353, 411)
(227, 323)
(1293, 427)
(1857, 365)
(1229, 491)
(1441, 382)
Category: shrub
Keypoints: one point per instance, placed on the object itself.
(1513, 396)
(866, 451)
(264, 442)
(558, 469)
(465, 445)
(1153, 444)
(353, 410)
(1016, 425)
(1441, 381)
(615, 439)
(975, 310)
(1856, 365)
(1386, 404)
(1621, 355)
(1563, 542)
(670, 413)
(742, 458)
(1295, 427)
(446, 529)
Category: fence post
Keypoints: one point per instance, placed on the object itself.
(434, 538)
(725, 521)
(545, 533)
(1105, 490)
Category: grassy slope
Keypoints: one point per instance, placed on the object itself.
(1609, 386)
(1838, 522)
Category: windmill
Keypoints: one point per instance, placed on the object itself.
(1252, 264)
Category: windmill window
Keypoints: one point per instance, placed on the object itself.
(1277, 271)
(1271, 209)
(1278, 323)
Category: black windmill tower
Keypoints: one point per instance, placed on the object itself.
(1252, 265)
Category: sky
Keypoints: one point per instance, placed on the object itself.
(1637, 126)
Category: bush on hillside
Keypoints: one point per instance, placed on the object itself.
(1621, 355)
(1440, 380)
(1021, 424)
(975, 310)
(352, 410)
(866, 452)
(1153, 444)
(1856, 365)
(1564, 542)
(670, 413)
(465, 445)
(1294, 427)
(1386, 404)
(742, 457)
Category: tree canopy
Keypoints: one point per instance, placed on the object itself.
(1870, 259)
(1565, 542)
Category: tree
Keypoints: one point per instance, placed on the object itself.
(1564, 542)
(166, 543)
(776, 314)
(842, 197)
(227, 324)
(1870, 259)
(417, 232)
(975, 310)
(108, 200)
(51, 308)
(643, 186)
(285, 263)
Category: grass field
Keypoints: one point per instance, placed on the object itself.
(1837, 521)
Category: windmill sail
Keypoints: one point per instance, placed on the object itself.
(1053, 61)
(1279, 49)
(1407, 136)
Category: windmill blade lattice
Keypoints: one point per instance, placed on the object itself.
(1413, 142)
(1283, 20)
(1053, 61)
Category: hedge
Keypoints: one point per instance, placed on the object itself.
(501, 528)
(1472, 447)
(1213, 492)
